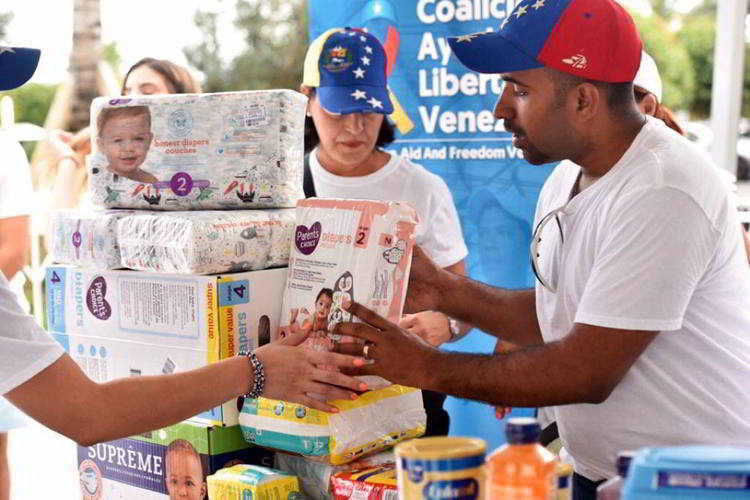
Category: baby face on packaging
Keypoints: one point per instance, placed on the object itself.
(184, 476)
(125, 140)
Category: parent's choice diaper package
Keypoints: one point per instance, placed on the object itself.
(342, 250)
(87, 238)
(206, 242)
(198, 151)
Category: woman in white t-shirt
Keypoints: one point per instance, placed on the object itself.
(345, 133)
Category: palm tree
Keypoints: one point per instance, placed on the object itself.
(84, 59)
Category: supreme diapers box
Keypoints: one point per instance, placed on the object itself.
(167, 463)
(315, 477)
(245, 482)
(198, 151)
(206, 242)
(86, 238)
(219, 314)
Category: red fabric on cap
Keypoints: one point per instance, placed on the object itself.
(596, 40)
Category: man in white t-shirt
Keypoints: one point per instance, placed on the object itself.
(15, 209)
(638, 331)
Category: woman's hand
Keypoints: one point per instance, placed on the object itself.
(60, 141)
(432, 326)
(292, 373)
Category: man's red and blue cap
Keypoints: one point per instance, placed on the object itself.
(348, 67)
(593, 39)
(17, 64)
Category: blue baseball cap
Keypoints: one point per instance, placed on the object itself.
(17, 64)
(348, 68)
(593, 39)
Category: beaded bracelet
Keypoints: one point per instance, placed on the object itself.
(259, 375)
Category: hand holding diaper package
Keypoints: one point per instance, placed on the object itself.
(342, 250)
(87, 238)
(206, 242)
(243, 482)
(198, 151)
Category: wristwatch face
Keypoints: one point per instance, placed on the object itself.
(453, 325)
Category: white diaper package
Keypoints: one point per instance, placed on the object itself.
(342, 250)
(315, 478)
(206, 242)
(198, 151)
(86, 238)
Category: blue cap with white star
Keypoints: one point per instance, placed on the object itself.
(17, 64)
(348, 67)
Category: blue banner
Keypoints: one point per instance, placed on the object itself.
(443, 113)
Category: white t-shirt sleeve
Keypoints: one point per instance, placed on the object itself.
(25, 348)
(657, 246)
(443, 240)
(16, 193)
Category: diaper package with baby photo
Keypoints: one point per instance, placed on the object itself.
(86, 238)
(206, 242)
(342, 250)
(198, 151)
(246, 482)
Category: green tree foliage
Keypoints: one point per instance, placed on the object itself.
(672, 58)
(698, 35)
(275, 35)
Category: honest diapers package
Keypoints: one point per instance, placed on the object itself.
(206, 242)
(86, 238)
(198, 151)
(342, 250)
(246, 482)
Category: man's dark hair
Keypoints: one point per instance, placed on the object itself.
(386, 134)
(619, 95)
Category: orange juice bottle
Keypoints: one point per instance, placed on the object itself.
(522, 469)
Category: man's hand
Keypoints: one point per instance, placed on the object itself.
(397, 354)
(424, 289)
(432, 326)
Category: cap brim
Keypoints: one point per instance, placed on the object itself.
(341, 100)
(17, 65)
(490, 53)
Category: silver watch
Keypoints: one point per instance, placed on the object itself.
(454, 328)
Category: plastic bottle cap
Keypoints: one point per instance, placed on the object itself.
(523, 430)
(623, 462)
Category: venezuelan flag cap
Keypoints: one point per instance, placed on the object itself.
(17, 64)
(593, 39)
(348, 68)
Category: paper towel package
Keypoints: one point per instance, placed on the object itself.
(247, 482)
(373, 483)
(206, 242)
(198, 151)
(172, 462)
(86, 238)
(315, 477)
(219, 314)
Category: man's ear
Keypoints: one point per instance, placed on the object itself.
(649, 105)
(588, 100)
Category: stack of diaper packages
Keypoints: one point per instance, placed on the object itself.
(183, 262)
(342, 251)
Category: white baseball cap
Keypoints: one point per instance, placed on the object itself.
(648, 77)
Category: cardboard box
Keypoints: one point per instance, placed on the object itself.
(218, 314)
(146, 466)
(128, 323)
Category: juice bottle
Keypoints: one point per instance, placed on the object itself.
(522, 469)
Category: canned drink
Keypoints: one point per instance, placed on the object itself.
(564, 481)
(441, 468)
